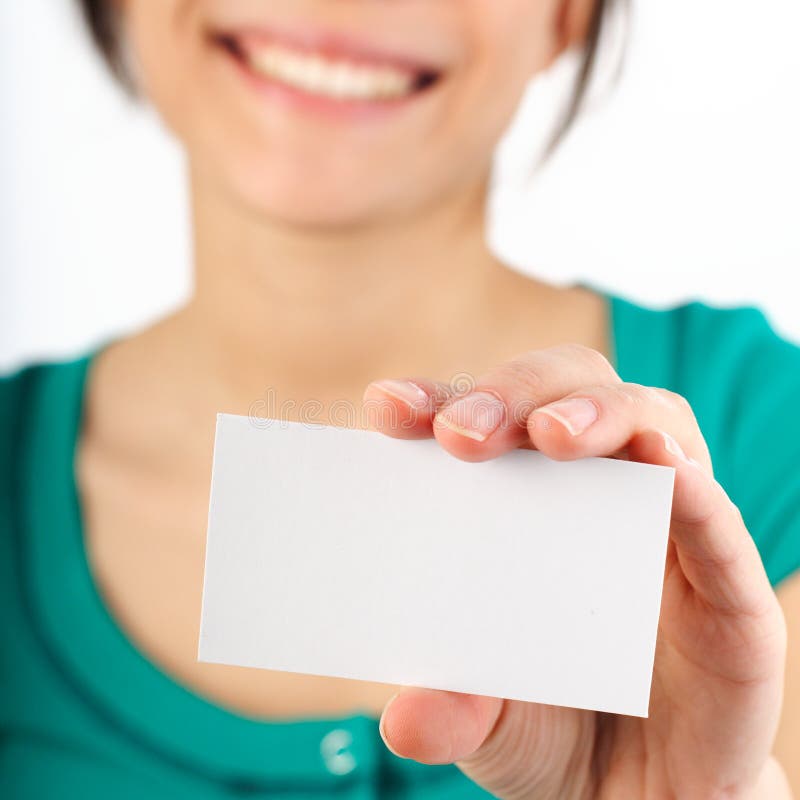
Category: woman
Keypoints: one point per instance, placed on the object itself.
(339, 154)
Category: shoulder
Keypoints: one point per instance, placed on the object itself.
(14, 388)
(714, 355)
(742, 379)
(28, 395)
(686, 342)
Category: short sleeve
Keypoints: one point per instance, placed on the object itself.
(743, 379)
(765, 445)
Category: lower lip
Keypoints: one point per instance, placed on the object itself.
(333, 108)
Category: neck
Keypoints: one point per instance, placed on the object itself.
(283, 315)
(325, 310)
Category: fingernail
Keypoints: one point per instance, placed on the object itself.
(671, 446)
(476, 415)
(404, 391)
(576, 414)
(382, 730)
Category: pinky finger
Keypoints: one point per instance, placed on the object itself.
(717, 555)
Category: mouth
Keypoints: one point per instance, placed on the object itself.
(333, 71)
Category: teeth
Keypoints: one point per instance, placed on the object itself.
(339, 79)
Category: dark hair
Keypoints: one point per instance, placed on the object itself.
(102, 17)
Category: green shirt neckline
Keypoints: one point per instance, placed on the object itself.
(112, 675)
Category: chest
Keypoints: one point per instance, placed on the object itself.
(144, 533)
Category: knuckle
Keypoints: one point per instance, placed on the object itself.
(649, 396)
(594, 360)
(734, 509)
(674, 401)
(631, 396)
(524, 374)
(652, 396)
(680, 402)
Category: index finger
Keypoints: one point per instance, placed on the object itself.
(491, 417)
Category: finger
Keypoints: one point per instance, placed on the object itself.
(436, 727)
(717, 555)
(492, 418)
(600, 420)
(404, 409)
(511, 749)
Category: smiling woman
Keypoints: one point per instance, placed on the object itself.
(216, 73)
(104, 21)
(339, 153)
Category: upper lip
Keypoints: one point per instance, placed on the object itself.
(329, 43)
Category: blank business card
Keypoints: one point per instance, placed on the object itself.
(346, 553)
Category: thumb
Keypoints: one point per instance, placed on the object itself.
(436, 727)
(510, 748)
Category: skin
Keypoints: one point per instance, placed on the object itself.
(320, 266)
(721, 643)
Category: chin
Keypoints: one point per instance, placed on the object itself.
(318, 189)
(323, 210)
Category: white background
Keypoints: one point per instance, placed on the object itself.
(685, 182)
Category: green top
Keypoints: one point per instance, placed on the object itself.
(84, 714)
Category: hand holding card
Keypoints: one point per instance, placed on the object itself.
(721, 638)
(527, 577)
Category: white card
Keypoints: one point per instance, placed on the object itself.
(350, 554)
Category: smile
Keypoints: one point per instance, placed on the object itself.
(326, 72)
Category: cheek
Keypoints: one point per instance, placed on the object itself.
(166, 40)
(510, 42)
(175, 74)
(515, 40)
